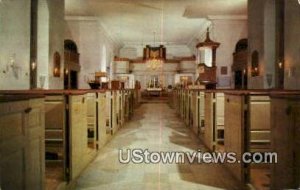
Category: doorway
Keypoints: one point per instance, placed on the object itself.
(72, 66)
(73, 80)
(240, 80)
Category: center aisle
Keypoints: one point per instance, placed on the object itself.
(155, 127)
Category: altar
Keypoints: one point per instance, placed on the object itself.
(154, 87)
(154, 91)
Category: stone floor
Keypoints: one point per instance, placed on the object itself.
(155, 127)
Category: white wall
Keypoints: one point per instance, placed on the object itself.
(43, 59)
(262, 31)
(228, 33)
(121, 67)
(268, 68)
(56, 40)
(129, 52)
(91, 40)
(50, 40)
(187, 66)
(292, 45)
(14, 40)
(262, 39)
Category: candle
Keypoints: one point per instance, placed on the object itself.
(33, 65)
(55, 71)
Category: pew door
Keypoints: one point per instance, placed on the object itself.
(219, 121)
(22, 145)
(234, 134)
(296, 144)
(201, 101)
(57, 139)
(286, 142)
(198, 113)
(102, 132)
(190, 115)
(258, 139)
(92, 128)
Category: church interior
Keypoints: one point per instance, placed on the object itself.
(83, 82)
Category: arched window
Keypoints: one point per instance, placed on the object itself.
(242, 45)
(71, 46)
(255, 63)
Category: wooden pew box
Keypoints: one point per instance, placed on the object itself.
(22, 147)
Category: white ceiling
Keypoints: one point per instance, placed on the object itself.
(173, 21)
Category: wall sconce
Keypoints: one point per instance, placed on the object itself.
(255, 64)
(33, 65)
(56, 64)
(66, 71)
(11, 64)
(280, 63)
(255, 71)
(56, 72)
(12, 60)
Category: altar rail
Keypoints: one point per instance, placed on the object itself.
(74, 125)
(247, 121)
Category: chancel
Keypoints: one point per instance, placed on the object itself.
(140, 94)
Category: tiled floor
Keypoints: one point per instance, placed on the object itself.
(155, 127)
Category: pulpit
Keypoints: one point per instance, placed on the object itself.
(206, 59)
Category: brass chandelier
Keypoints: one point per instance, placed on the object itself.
(154, 63)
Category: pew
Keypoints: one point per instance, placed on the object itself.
(213, 133)
(203, 111)
(252, 121)
(192, 110)
(197, 112)
(130, 103)
(22, 147)
(72, 140)
(247, 129)
(285, 139)
(77, 124)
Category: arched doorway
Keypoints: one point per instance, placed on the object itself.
(72, 65)
(239, 66)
